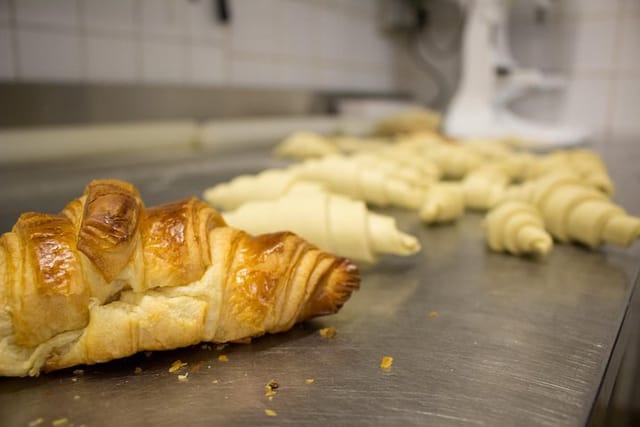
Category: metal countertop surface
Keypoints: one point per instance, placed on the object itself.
(477, 338)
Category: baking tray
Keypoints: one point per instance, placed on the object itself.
(477, 338)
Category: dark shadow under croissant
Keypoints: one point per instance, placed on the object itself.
(107, 278)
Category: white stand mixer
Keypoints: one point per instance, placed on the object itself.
(479, 107)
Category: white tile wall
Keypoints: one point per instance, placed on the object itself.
(110, 59)
(626, 107)
(164, 18)
(7, 66)
(113, 16)
(206, 64)
(628, 58)
(163, 62)
(282, 43)
(53, 14)
(49, 55)
(4, 12)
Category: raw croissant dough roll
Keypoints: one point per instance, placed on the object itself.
(345, 176)
(574, 212)
(585, 164)
(269, 184)
(485, 186)
(517, 228)
(107, 278)
(305, 145)
(335, 223)
(444, 202)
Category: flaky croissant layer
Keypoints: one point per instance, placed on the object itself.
(107, 278)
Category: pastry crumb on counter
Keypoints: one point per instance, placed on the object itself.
(221, 346)
(60, 422)
(74, 379)
(215, 382)
(433, 314)
(196, 366)
(223, 358)
(138, 370)
(76, 397)
(177, 365)
(386, 362)
(78, 372)
(183, 377)
(309, 381)
(270, 412)
(329, 332)
(36, 422)
(270, 388)
(206, 347)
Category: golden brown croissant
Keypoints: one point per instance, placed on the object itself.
(107, 278)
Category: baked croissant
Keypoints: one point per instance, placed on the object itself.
(335, 223)
(107, 278)
(517, 228)
(444, 202)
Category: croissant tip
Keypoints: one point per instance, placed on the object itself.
(338, 286)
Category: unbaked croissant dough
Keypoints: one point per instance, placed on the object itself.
(107, 278)
(444, 202)
(585, 164)
(485, 186)
(343, 175)
(334, 223)
(269, 184)
(575, 212)
(517, 228)
(305, 145)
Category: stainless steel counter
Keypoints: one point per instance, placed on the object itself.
(477, 338)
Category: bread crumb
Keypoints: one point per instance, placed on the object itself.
(78, 372)
(309, 380)
(76, 397)
(74, 379)
(433, 314)
(329, 332)
(177, 365)
(60, 422)
(221, 347)
(196, 366)
(138, 370)
(222, 358)
(208, 366)
(183, 378)
(206, 347)
(36, 422)
(386, 362)
(215, 381)
(270, 412)
(270, 387)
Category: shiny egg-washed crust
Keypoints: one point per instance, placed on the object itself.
(107, 278)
